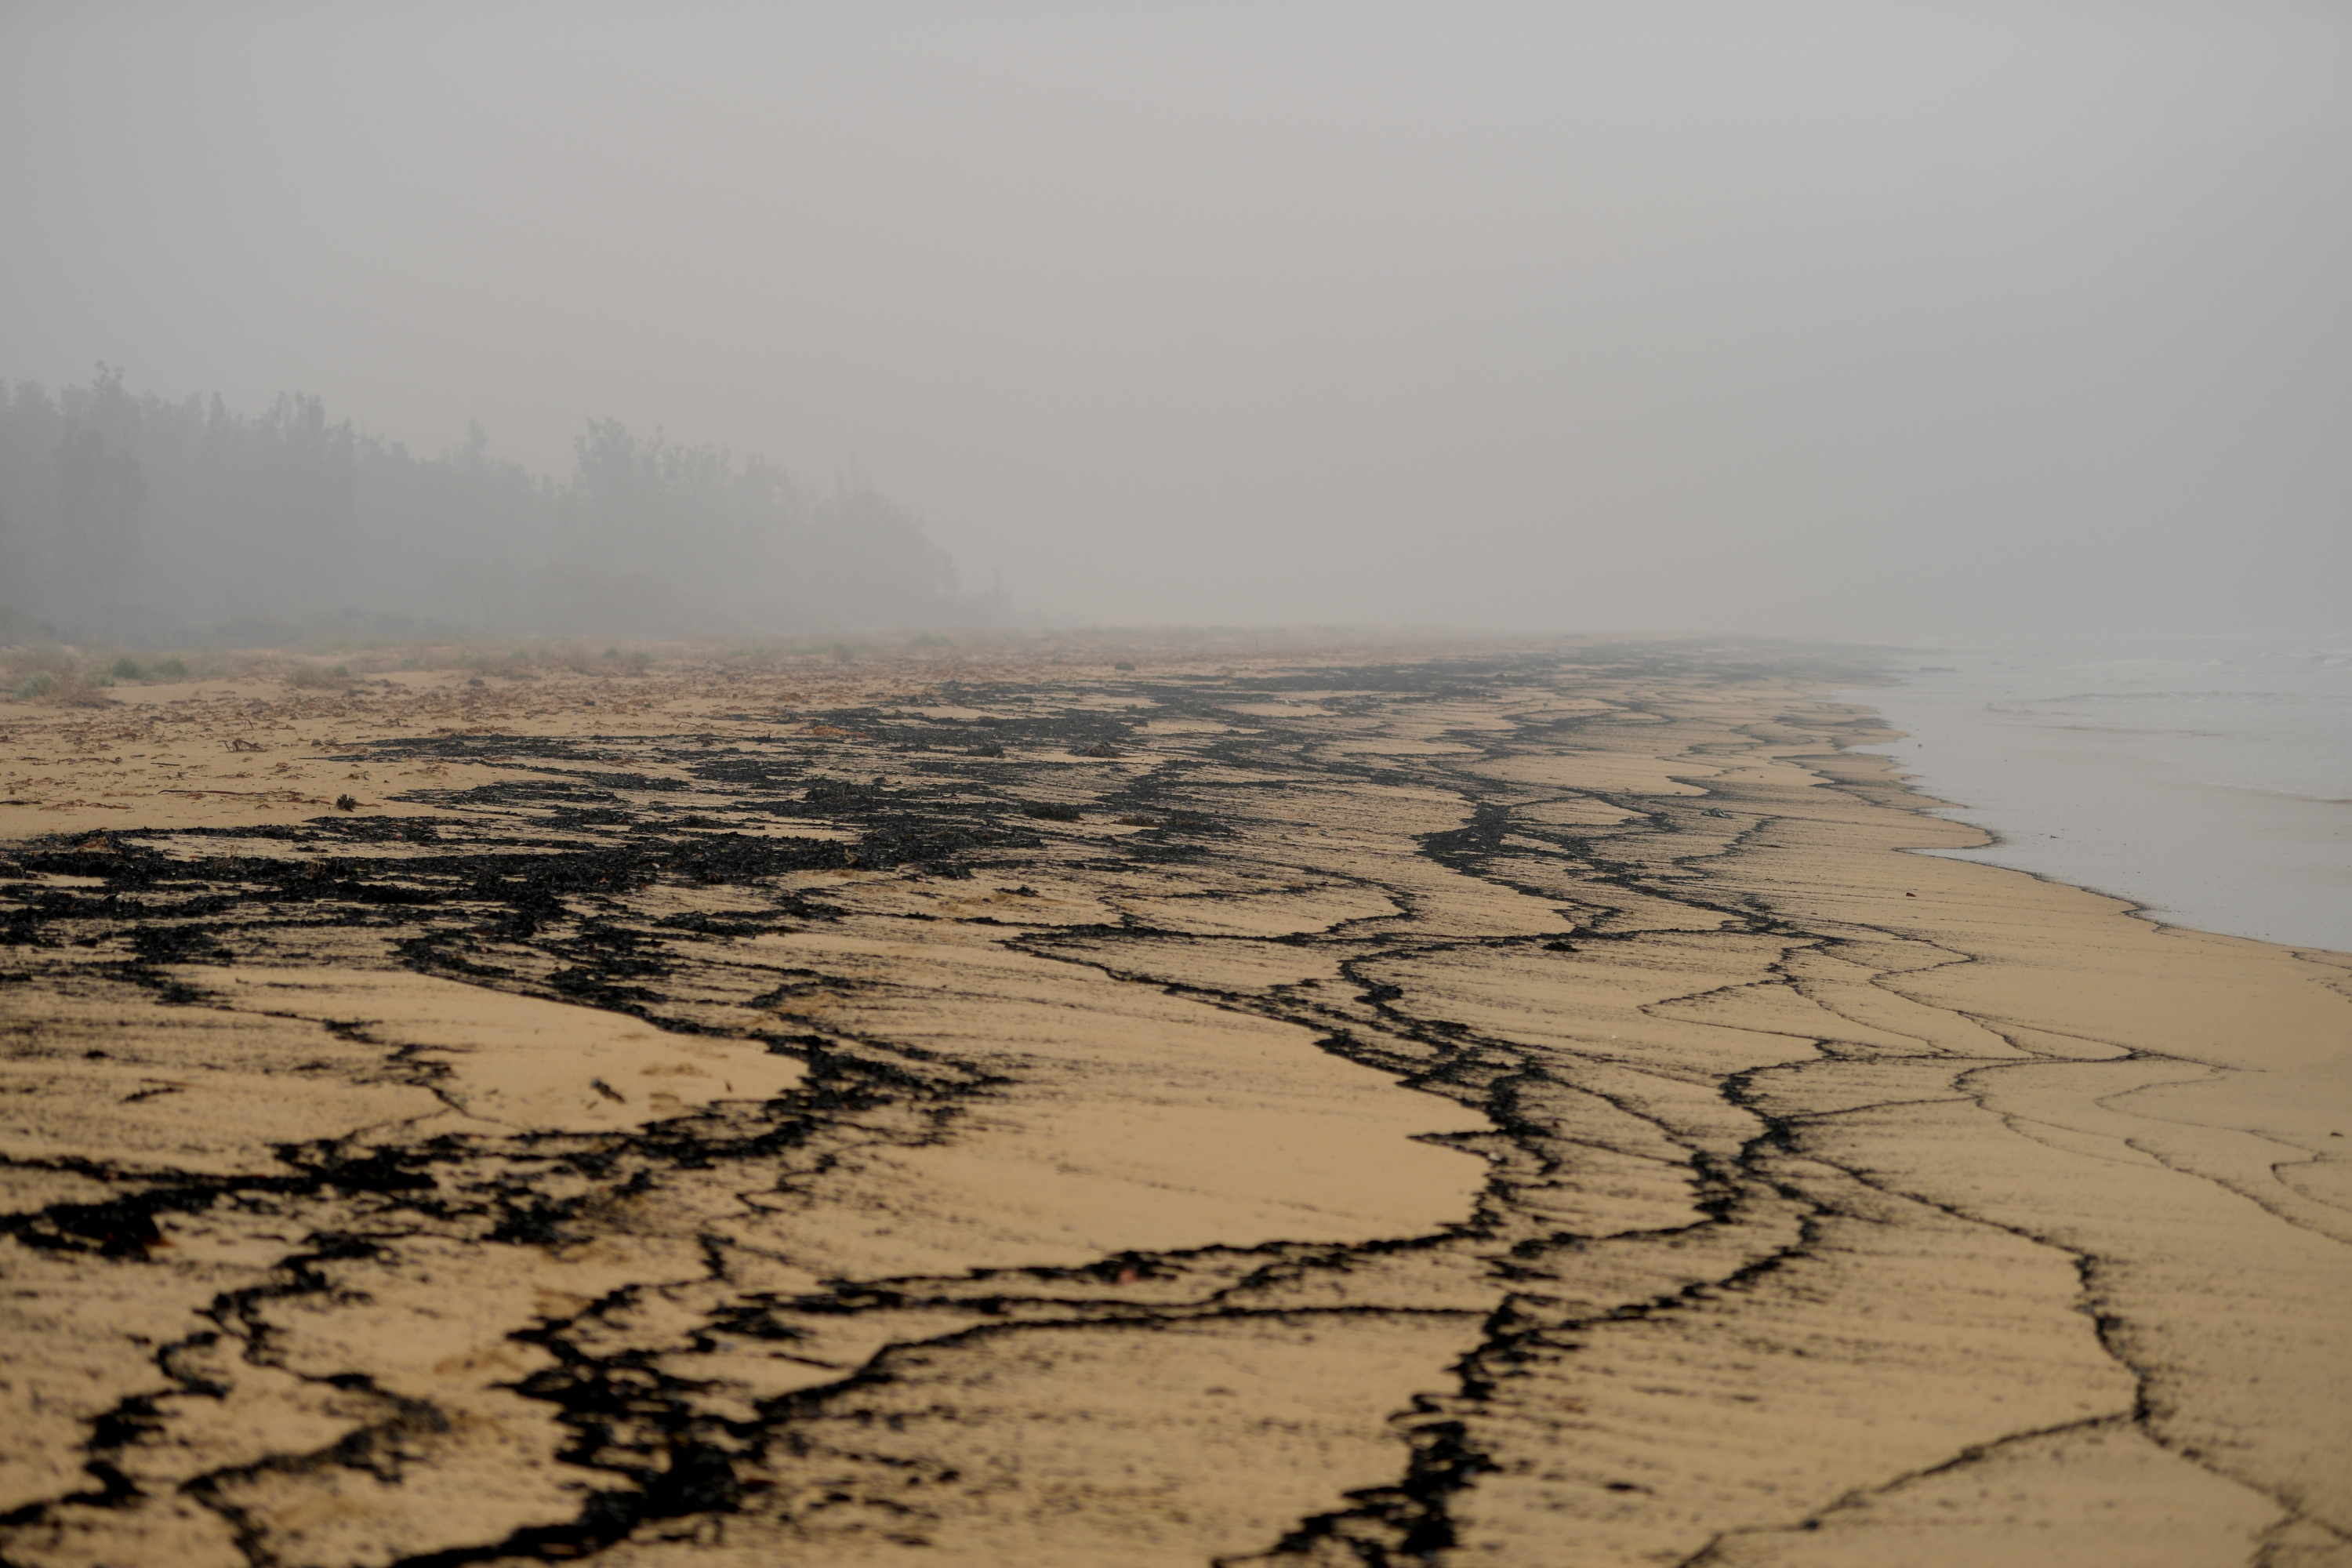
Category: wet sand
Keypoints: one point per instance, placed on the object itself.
(1513, 1106)
(2206, 779)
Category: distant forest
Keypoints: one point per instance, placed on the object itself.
(126, 517)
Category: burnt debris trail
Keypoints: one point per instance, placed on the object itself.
(880, 1207)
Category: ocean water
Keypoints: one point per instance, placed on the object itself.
(2207, 779)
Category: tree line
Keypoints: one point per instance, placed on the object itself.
(129, 515)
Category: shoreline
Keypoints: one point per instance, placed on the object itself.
(2199, 778)
(1241, 1110)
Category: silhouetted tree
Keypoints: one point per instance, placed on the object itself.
(120, 512)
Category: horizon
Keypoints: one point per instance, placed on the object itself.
(1969, 319)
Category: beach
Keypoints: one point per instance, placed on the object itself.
(1146, 1103)
(2207, 779)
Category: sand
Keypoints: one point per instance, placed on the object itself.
(1506, 1106)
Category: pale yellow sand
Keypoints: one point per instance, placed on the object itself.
(1535, 1115)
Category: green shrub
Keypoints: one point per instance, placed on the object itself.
(40, 683)
(172, 668)
(127, 668)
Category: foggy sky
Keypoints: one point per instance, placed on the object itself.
(1865, 319)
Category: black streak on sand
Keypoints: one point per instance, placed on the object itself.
(532, 888)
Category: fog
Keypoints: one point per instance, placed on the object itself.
(129, 516)
(1862, 321)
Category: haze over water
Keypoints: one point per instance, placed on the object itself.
(2206, 778)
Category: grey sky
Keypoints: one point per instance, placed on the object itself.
(1873, 320)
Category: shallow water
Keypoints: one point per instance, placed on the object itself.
(2207, 779)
